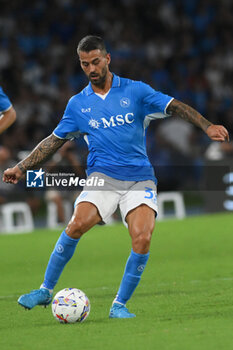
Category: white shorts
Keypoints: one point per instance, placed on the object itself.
(127, 194)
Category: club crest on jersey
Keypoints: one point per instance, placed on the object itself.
(125, 102)
(94, 124)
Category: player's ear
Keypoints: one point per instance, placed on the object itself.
(108, 58)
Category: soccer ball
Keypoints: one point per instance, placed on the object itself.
(70, 305)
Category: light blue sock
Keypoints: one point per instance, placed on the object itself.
(63, 252)
(133, 270)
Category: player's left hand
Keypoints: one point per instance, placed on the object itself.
(217, 133)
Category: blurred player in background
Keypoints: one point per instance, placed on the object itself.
(113, 113)
(7, 112)
(7, 117)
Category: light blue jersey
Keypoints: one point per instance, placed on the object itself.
(5, 103)
(114, 127)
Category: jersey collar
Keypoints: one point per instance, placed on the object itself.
(116, 82)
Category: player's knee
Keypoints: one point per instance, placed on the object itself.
(142, 242)
(141, 237)
(76, 228)
(144, 230)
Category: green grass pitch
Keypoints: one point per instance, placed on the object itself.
(184, 300)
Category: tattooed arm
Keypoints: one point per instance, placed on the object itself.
(215, 132)
(43, 151)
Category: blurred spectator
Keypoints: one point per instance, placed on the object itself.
(219, 151)
(176, 155)
(64, 161)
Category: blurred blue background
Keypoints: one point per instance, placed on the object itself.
(182, 48)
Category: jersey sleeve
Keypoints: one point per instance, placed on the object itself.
(5, 103)
(68, 126)
(153, 102)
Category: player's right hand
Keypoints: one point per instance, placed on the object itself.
(12, 175)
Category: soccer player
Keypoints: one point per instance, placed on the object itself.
(7, 112)
(113, 113)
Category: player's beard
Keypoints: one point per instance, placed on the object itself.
(100, 82)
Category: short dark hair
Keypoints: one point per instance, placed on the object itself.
(91, 42)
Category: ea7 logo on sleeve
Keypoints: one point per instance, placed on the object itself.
(35, 178)
(85, 110)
